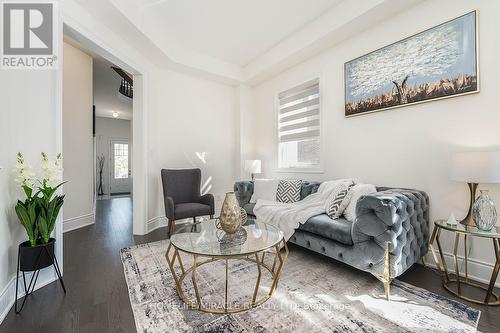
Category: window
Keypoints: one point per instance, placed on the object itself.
(299, 127)
(121, 160)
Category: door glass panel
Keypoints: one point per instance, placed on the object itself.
(121, 160)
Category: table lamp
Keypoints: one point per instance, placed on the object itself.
(253, 167)
(474, 168)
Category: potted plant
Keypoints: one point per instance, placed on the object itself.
(38, 214)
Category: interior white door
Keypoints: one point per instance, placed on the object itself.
(120, 172)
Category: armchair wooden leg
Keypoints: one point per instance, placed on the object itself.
(423, 261)
(171, 227)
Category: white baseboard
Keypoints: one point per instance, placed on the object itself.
(478, 270)
(47, 275)
(78, 222)
(161, 221)
(155, 223)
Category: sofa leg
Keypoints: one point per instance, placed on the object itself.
(387, 270)
(387, 290)
(386, 277)
(211, 216)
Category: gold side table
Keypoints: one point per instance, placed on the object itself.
(454, 285)
(206, 244)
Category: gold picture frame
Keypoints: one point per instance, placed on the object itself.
(385, 94)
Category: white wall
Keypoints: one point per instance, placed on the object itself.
(245, 108)
(107, 129)
(192, 124)
(407, 147)
(77, 138)
(28, 125)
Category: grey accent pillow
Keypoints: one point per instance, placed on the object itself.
(339, 201)
(288, 191)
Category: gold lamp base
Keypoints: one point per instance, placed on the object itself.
(468, 220)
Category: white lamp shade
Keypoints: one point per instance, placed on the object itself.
(253, 166)
(476, 167)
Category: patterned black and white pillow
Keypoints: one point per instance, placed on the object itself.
(339, 201)
(288, 191)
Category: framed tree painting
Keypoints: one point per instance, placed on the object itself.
(436, 63)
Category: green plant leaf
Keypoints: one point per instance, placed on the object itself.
(26, 213)
(43, 228)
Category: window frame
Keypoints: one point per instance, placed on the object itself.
(122, 144)
(317, 169)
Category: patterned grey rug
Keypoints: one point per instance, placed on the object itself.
(313, 296)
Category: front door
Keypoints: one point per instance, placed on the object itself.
(120, 173)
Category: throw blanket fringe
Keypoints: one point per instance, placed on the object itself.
(289, 216)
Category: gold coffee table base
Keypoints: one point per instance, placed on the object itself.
(275, 271)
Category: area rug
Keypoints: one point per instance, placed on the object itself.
(313, 295)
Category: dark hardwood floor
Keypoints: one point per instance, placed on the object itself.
(97, 298)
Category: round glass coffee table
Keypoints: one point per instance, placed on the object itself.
(205, 244)
(454, 284)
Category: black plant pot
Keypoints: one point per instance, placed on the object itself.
(29, 255)
(35, 258)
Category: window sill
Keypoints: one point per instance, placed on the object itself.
(299, 170)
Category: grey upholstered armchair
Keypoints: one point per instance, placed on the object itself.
(181, 193)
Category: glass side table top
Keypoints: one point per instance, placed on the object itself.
(206, 239)
(471, 230)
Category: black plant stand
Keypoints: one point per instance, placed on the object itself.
(33, 259)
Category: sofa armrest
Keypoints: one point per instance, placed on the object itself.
(169, 208)
(243, 191)
(208, 199)
(398, 216)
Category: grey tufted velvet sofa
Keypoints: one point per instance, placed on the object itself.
(391, 231)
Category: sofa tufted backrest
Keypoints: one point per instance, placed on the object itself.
(308, 188)
(244, 190)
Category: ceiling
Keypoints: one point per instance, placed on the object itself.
(234, 31)
(234, 41)
(105, 85)
(107, 99)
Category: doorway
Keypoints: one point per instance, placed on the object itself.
(120, 178)
(136, 161)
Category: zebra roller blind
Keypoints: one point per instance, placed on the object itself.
(299, 126)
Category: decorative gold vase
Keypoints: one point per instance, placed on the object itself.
(232, 216)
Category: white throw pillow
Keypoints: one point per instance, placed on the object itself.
(339, 200)
(357, 191)
(264, 189)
